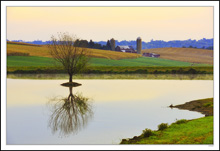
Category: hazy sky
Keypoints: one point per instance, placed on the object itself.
(103, 23)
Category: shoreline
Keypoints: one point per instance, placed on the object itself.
(204, 106)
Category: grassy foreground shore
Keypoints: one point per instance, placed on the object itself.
(197, 131)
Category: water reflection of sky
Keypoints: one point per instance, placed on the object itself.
(122, 108)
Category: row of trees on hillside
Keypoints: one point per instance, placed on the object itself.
(209, 48)
(91, 44)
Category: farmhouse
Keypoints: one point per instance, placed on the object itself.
(125, 49)
(154, 55)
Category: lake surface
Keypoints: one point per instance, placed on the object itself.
(116, 109)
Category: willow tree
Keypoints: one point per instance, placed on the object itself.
(73, 59)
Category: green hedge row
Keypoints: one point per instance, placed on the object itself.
(117, 70)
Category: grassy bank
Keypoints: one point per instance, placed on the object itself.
(197, 131)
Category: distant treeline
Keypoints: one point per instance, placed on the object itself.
(77, 43)
(202, 43)
(91, 44)
(209, 48)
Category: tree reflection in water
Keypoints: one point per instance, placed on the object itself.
(70, 114)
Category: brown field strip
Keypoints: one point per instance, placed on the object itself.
(184, 54)
(22, 43)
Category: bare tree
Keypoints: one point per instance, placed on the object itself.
(73, 59)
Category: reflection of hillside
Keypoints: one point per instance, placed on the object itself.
(69, 114)
(177, 76)
(115, 76)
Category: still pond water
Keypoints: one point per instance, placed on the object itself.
(116, 109)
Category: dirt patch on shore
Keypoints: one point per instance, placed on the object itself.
(204, 106)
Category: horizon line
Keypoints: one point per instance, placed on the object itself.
(109, 39)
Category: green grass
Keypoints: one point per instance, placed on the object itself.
(197, 131)
(142, 61)
(28, 61)
(34, 64)
(14, 61)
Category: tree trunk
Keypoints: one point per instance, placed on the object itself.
(70, 79)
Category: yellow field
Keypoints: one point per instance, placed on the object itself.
(43, 51)
(184, 54)
(21, 43)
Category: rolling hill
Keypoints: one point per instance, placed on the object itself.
(168, 56)
(39, 60)
(43, 51)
